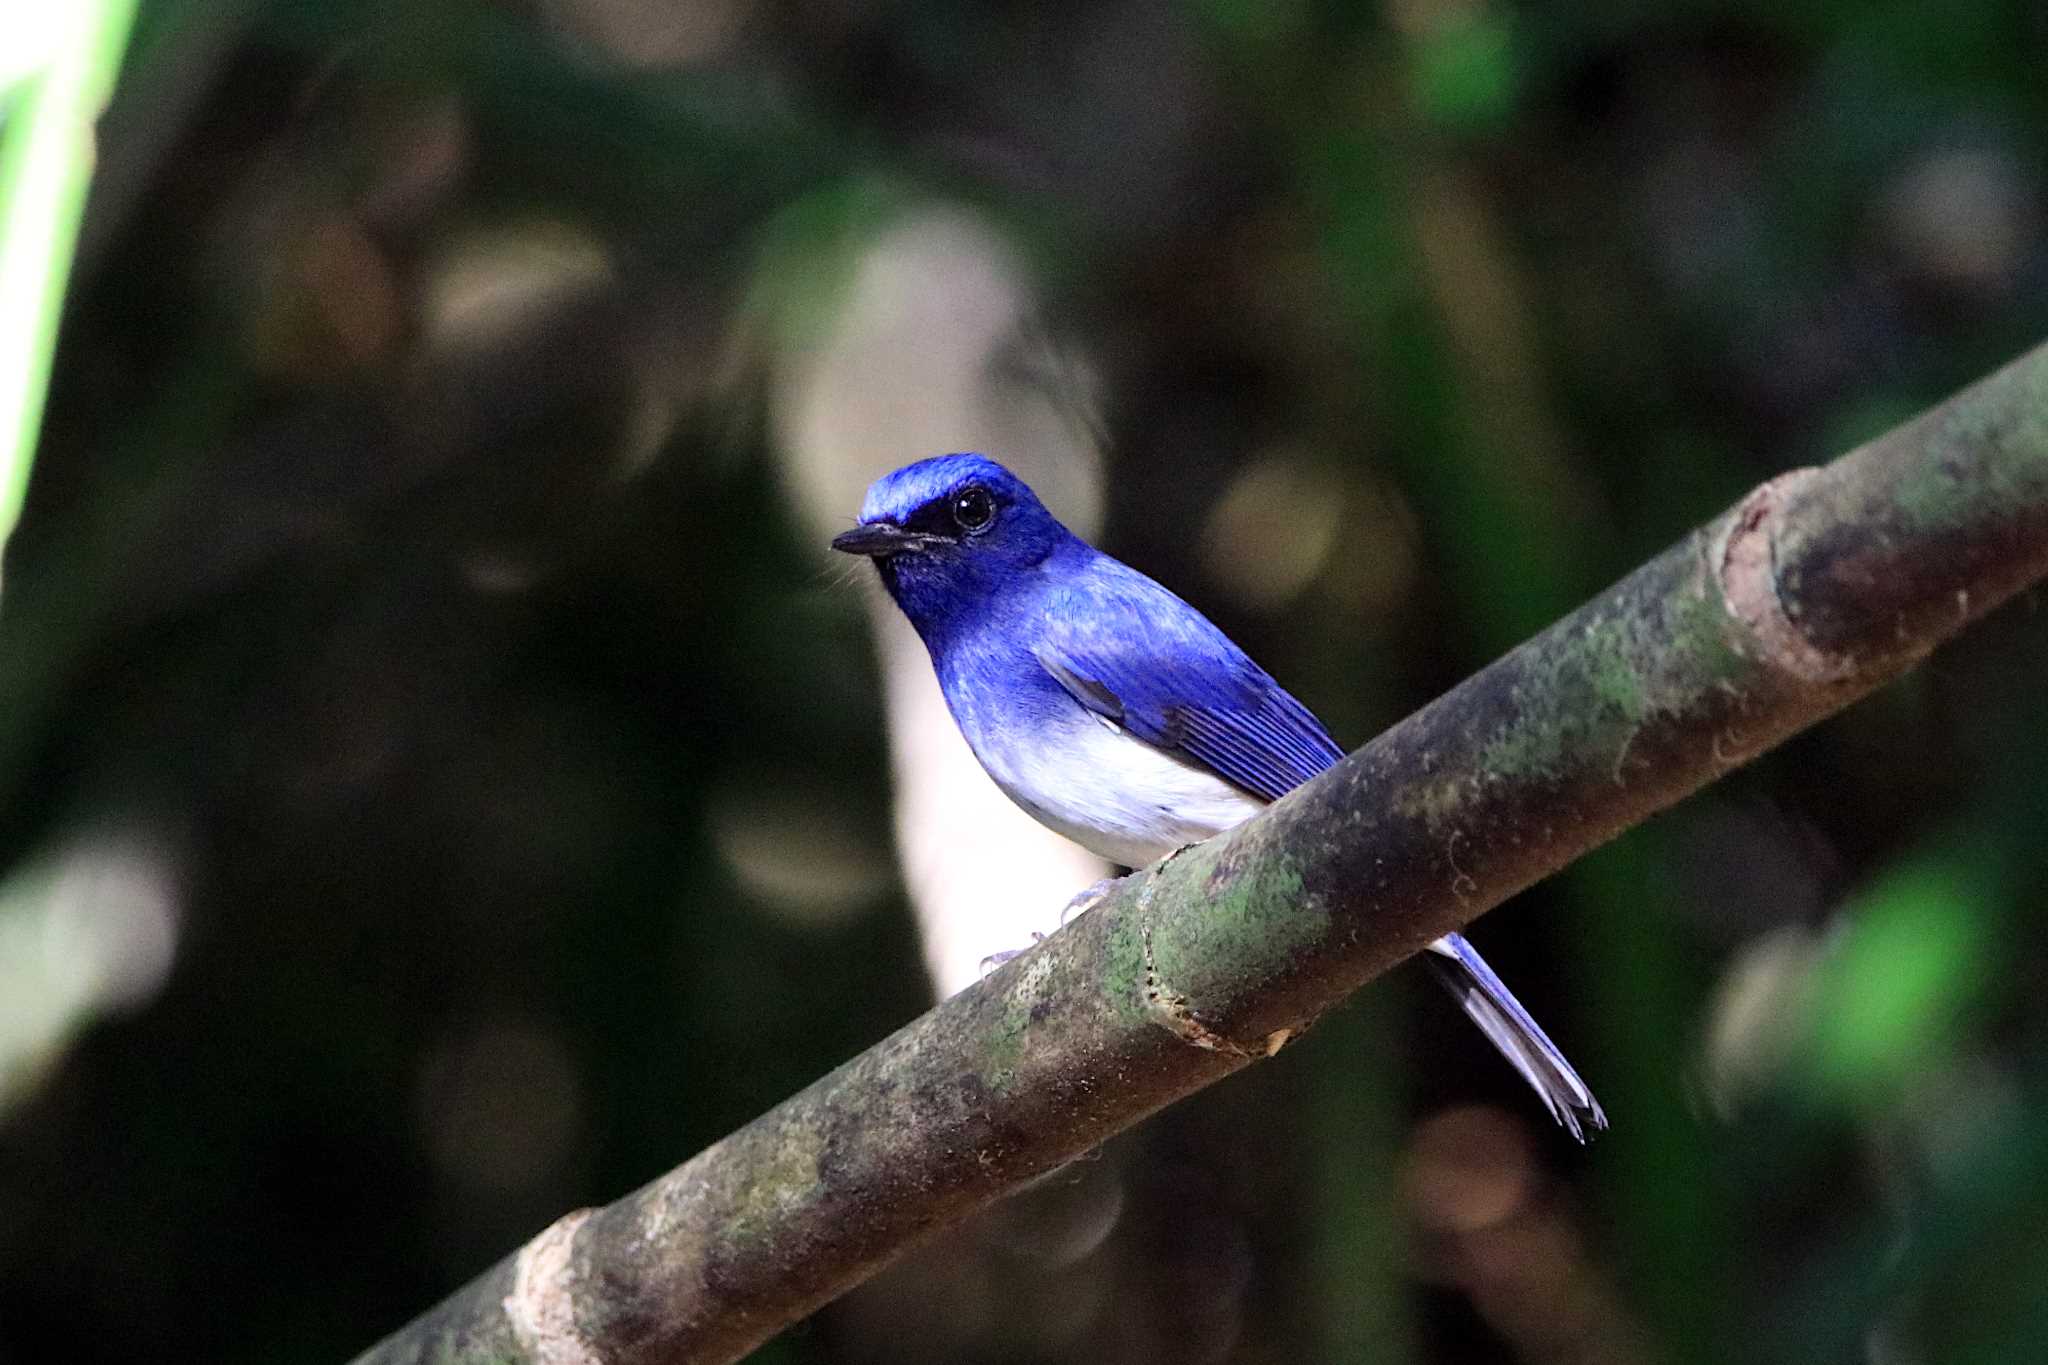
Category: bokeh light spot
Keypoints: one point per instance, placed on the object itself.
(1272, 531)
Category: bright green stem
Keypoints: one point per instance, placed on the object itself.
(46, 157)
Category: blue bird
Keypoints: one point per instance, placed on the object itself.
(1114, 712)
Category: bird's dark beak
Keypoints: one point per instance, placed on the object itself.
(879, 540)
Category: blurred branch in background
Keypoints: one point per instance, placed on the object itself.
(1811, 592)
(929, 344)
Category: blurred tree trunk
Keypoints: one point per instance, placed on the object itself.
(1816, 588)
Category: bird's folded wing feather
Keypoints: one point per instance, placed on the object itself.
(1138, 656)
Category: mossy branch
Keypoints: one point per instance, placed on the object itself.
(1816, 588)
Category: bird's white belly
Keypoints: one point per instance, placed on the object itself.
(1113, 794)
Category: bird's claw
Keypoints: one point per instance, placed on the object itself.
(1085, 901)
(995, 960)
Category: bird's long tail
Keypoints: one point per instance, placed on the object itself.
(1494, 1008)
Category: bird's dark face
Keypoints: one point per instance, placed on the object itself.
(949, 534)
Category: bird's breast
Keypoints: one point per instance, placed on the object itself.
(1092, 781)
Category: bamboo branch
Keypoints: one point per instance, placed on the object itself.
(1816, 588)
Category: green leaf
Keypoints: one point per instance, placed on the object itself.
(46, 155)
(1891, 997)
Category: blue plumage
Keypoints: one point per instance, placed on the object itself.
(1113, 711)
(1104, 636)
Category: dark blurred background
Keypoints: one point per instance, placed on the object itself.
(443, 782)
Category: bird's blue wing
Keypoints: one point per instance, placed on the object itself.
(1136, 655)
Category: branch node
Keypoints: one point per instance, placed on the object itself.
(1743, 559)
(542, 1304)
(1177, 1016)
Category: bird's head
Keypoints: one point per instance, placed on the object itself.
(949, 534)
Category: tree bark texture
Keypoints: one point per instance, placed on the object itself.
(1816, 588)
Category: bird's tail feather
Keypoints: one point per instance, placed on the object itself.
(1528, 1049)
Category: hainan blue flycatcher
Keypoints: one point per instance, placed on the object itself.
(1114, 712)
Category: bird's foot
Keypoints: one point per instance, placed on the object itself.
(995, 960)
(1073, 909)
(1085, 901)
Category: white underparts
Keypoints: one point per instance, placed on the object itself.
(1110, 792)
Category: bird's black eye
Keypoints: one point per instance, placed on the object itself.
(974, 509)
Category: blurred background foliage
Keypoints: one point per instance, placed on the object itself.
(442, 782)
